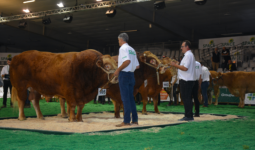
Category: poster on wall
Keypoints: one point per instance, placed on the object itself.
(227, 42)
(249, 98)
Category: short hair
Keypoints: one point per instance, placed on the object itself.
(187, 43)
(10, 59)
(124, 37)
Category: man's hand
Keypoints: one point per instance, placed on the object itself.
(172, 63)
(3, 75)
(116, 73)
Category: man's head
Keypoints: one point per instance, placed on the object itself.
(216, 50)
(123, 38)
(9, 61)
(224, 48)
(185, 46)
(202, 63)
(229, 62)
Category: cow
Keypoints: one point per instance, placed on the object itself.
(149, 65)
(75, 76)
(152, 89)
(238, 83)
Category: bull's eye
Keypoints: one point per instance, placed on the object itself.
(153, 61)
(107, 67)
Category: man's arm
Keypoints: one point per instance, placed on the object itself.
(124, 65)
(179, 66)
(137, 67)
(3, 72)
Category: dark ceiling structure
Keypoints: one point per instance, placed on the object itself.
(179, 20)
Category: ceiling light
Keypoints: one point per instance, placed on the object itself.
(159, 5)
(232, 33)
(29, 1)
(111, 13)
(128, 31)
(99, 0)
(26, 10)
(68, 19)
(60, 5)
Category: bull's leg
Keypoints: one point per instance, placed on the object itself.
(216, 93)
(155, 102)
(36, 106)
(79, 112)
(116, 109)
(145, 101)
(21, 110)
(209, 93)
(242, 97)
(68, 109)
(72, 112)
(63, 110)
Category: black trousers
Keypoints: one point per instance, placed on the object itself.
(186, 88)
(195, 96)
(174, 94)
(7, 84)
(159, 99)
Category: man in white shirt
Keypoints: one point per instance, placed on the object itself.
(197, 87)
(187, 78)
(127, 64)
(205, 83)
(7, 82)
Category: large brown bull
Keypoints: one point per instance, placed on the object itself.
(75, 76)
(238, 83)
(148, 67)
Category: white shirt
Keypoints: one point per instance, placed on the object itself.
(205, 74)
(126, 52)
(188, 62)
(198, 70)
(5, 70)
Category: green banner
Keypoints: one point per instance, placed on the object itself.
(226, 97)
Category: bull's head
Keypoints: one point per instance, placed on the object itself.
(167, 61)
(218, 80)
(109, 66)
(152, 60)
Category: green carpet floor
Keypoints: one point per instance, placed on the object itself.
(209, 135)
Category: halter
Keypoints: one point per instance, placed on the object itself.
(108, 73)
(160, 65)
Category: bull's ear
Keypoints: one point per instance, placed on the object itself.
(142, 58)
(100, 63)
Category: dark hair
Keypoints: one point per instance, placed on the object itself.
(187, 43)
(10, 59)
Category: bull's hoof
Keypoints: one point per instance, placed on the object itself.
(73, 120)
(144, 113)
(216, 104)
(157, 112)
(41, 118)
(117, 116)
(22, 119)
(64, 115)
(80, 120)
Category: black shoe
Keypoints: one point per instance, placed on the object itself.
(186, 119)
(196, 115)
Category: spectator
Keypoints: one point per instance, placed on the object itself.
(215, 59)
(7, 83)
(205, 83)
(226, 55)
(231, 67)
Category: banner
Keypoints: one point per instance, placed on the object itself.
(249, 98)
(227, 42)
(164, 96)
(226, 97)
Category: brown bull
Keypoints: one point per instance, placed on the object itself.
(75, 76)
(141, 74)
(238, 83)
(152, 89)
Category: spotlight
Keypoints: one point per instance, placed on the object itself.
(159, 5)
(29, 1)
(200, 2)
(60, 5)
(46, 21)
(68, 19)
(22, 24)
(110, 13)
(26, 10)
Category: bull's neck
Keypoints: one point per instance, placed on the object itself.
(225, 80)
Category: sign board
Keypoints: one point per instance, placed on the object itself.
(164, 96)
(249, 98)
(227, 42)
(165, 84)
(101, 92)
(226, 97)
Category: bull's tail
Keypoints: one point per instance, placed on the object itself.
(14, 97)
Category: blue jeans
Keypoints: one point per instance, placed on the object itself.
(204, 87)
(126, 84)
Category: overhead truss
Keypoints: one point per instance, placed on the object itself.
(64, 10)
